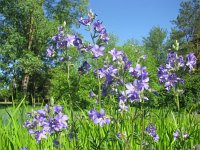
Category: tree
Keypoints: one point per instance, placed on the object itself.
(187, 23)
(25, 28)
(155, 42)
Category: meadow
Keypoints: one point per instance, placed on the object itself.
(118, 112)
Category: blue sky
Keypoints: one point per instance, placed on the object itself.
(134, 18)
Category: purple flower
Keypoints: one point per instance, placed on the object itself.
(57, 109)
(56, 143)
(97, 50)
(171, 60)
(144, 57)
(163, 74)
(116, 54)
(84, 68)
(132, 92)
(39, 135)
(122, 106)
(176, 135)
(50, 51)
(181, 62)
(185, 136)
(138, 71)
(99, 117)
(127, 64)
(172, 81)
(85, 22)
(151, 131)
(70, 40)
(104, 36)
(169, 79)
(78, 43)
(24, 148)
(122, 97)
(191, 61)
(92, 94)
(180, 135)
(98, 26)
(46, 122)
(59, 122)
(101, 72)
(110, 73)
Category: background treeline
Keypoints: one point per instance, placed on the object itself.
(27, 26)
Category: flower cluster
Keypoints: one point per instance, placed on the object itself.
(99, 117)
(180, 135)
(191, 61)
(167, 73)
(84, 68)
(114, 70)
(108, 72)
(46, 122)
(97, 26)
(140, 83)
(98, 34)
(61, 41)
(151, 131)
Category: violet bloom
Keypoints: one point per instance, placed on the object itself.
(101, 72)
(181, 62)
(185, 136)
(50, 51)
(78, 43)
(144, 57)
(59, 36)
(70, 40)
(176, 135)
(39, 135)
(104, 36)
(99, 117)
(85, 22)
(46, 122)
(127, 64)
(151, 131)
(24, 148)
(57, 109)
(163, 74)
(111, 72)
(92, 94)
(191, 61)
(172, 81)
(84, 68)
(98, 26)
(171, 60)
(132, 92)
(97, 50)
(122, 106)
(116, 54)
(60, 122)
(59, 39)
(122, 96)
(104, 89)
(138, 71)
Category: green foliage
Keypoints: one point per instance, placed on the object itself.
(25, 29)
(191, 96)
(124, 131)
(187, 30)
(155, 43)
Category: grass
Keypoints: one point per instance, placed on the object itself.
(124, 132)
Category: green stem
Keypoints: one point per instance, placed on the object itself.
(92, 37)
(142, 122)
(99, 87)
